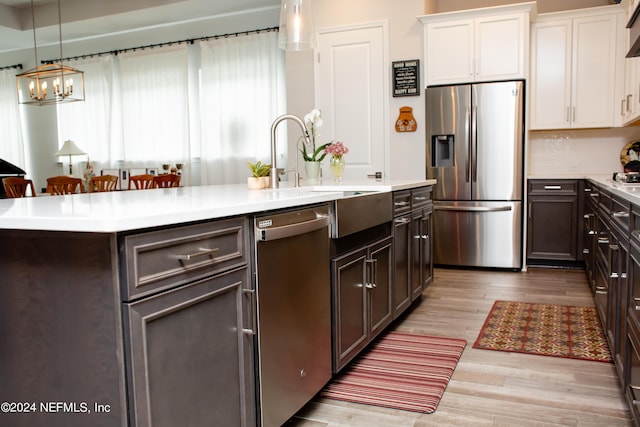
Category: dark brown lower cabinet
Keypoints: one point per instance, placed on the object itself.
(361, 298)
(552, 222)
(186, 349)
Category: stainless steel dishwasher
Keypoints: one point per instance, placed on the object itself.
(294, 310)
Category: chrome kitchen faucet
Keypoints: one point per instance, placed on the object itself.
(274, 170)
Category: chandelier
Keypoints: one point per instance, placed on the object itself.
(49, 83)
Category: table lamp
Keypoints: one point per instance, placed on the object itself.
(69, 148)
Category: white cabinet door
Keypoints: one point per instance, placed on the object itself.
(450, 52)
(593, 72)
(573, 73)
(352, 76)
(500, 47)
(550, 74)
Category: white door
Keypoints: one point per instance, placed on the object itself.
(351, 91)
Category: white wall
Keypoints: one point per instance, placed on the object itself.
(578, 152)
(406, 150)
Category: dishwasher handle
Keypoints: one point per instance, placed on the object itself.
(473, 208)
(283, 231)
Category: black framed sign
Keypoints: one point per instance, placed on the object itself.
(406, 78)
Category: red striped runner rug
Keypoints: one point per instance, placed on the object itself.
(399, 371)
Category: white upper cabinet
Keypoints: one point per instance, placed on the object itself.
(477, 45)
(576, 69)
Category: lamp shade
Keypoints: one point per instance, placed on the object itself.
(296, 30)
(69, 148)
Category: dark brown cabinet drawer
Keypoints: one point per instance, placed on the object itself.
(420, 197)
(401, 202)
(544, 186)
(621, 213)
(163, 259)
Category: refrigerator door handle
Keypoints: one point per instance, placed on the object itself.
(474, 143)
(473, 208)
(467, 169)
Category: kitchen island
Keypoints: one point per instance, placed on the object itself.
(92, 284)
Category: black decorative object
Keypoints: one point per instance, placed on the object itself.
(406, 78)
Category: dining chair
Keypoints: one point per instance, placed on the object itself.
(58, 185)
(16, 187)
(141, 182)
(101, 183)
(166, 181)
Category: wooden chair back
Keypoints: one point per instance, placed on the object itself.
(98, 184)
(166, 181)
(16, 187)
(141, 182)
(58, 185)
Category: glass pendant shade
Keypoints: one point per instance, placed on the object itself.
(296, 30)
(50, 84)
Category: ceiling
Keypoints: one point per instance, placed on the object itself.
(82, 19)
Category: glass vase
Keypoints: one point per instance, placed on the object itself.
(336, 166)
(312, 170)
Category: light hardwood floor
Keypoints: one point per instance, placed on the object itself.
(493, 388)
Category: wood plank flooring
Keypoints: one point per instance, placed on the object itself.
(493, 388)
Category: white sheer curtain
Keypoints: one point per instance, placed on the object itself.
(11, 145)
(242, 90)
(154, 105)
(90, 124)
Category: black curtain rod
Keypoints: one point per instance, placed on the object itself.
(151, 46)
(8, 67)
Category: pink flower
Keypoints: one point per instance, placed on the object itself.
(336, 149)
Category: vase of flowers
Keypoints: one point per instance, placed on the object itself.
(313, 154)
(336, 162)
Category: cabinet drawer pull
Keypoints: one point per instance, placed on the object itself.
(402, 221)
(593, 194)
(401, 204)
(202, 252)
(587, 190)
(601, 292)
(420, 199)
(621, 215)
(585, 251)
(553, 187)
(603, 240)
(370, 286)
(613, 276)
(587, 216)
(614, 247)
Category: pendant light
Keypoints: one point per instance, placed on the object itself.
(49, 83)
(296, 30)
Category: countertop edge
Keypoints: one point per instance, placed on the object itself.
(143, 209)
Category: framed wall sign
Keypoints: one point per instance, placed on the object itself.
(406, 78)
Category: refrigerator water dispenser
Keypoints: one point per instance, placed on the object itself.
(442, 148)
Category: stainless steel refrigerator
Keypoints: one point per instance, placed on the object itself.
(475, 150)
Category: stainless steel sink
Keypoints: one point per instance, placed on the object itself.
(360, 210)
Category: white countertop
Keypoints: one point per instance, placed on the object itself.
(137, 209)
(629, 192)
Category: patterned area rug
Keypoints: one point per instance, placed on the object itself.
(399, 371)
(544, 329)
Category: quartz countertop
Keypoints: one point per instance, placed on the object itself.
(629, 192)
(138, 209)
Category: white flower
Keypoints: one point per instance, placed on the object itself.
(313, 118)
